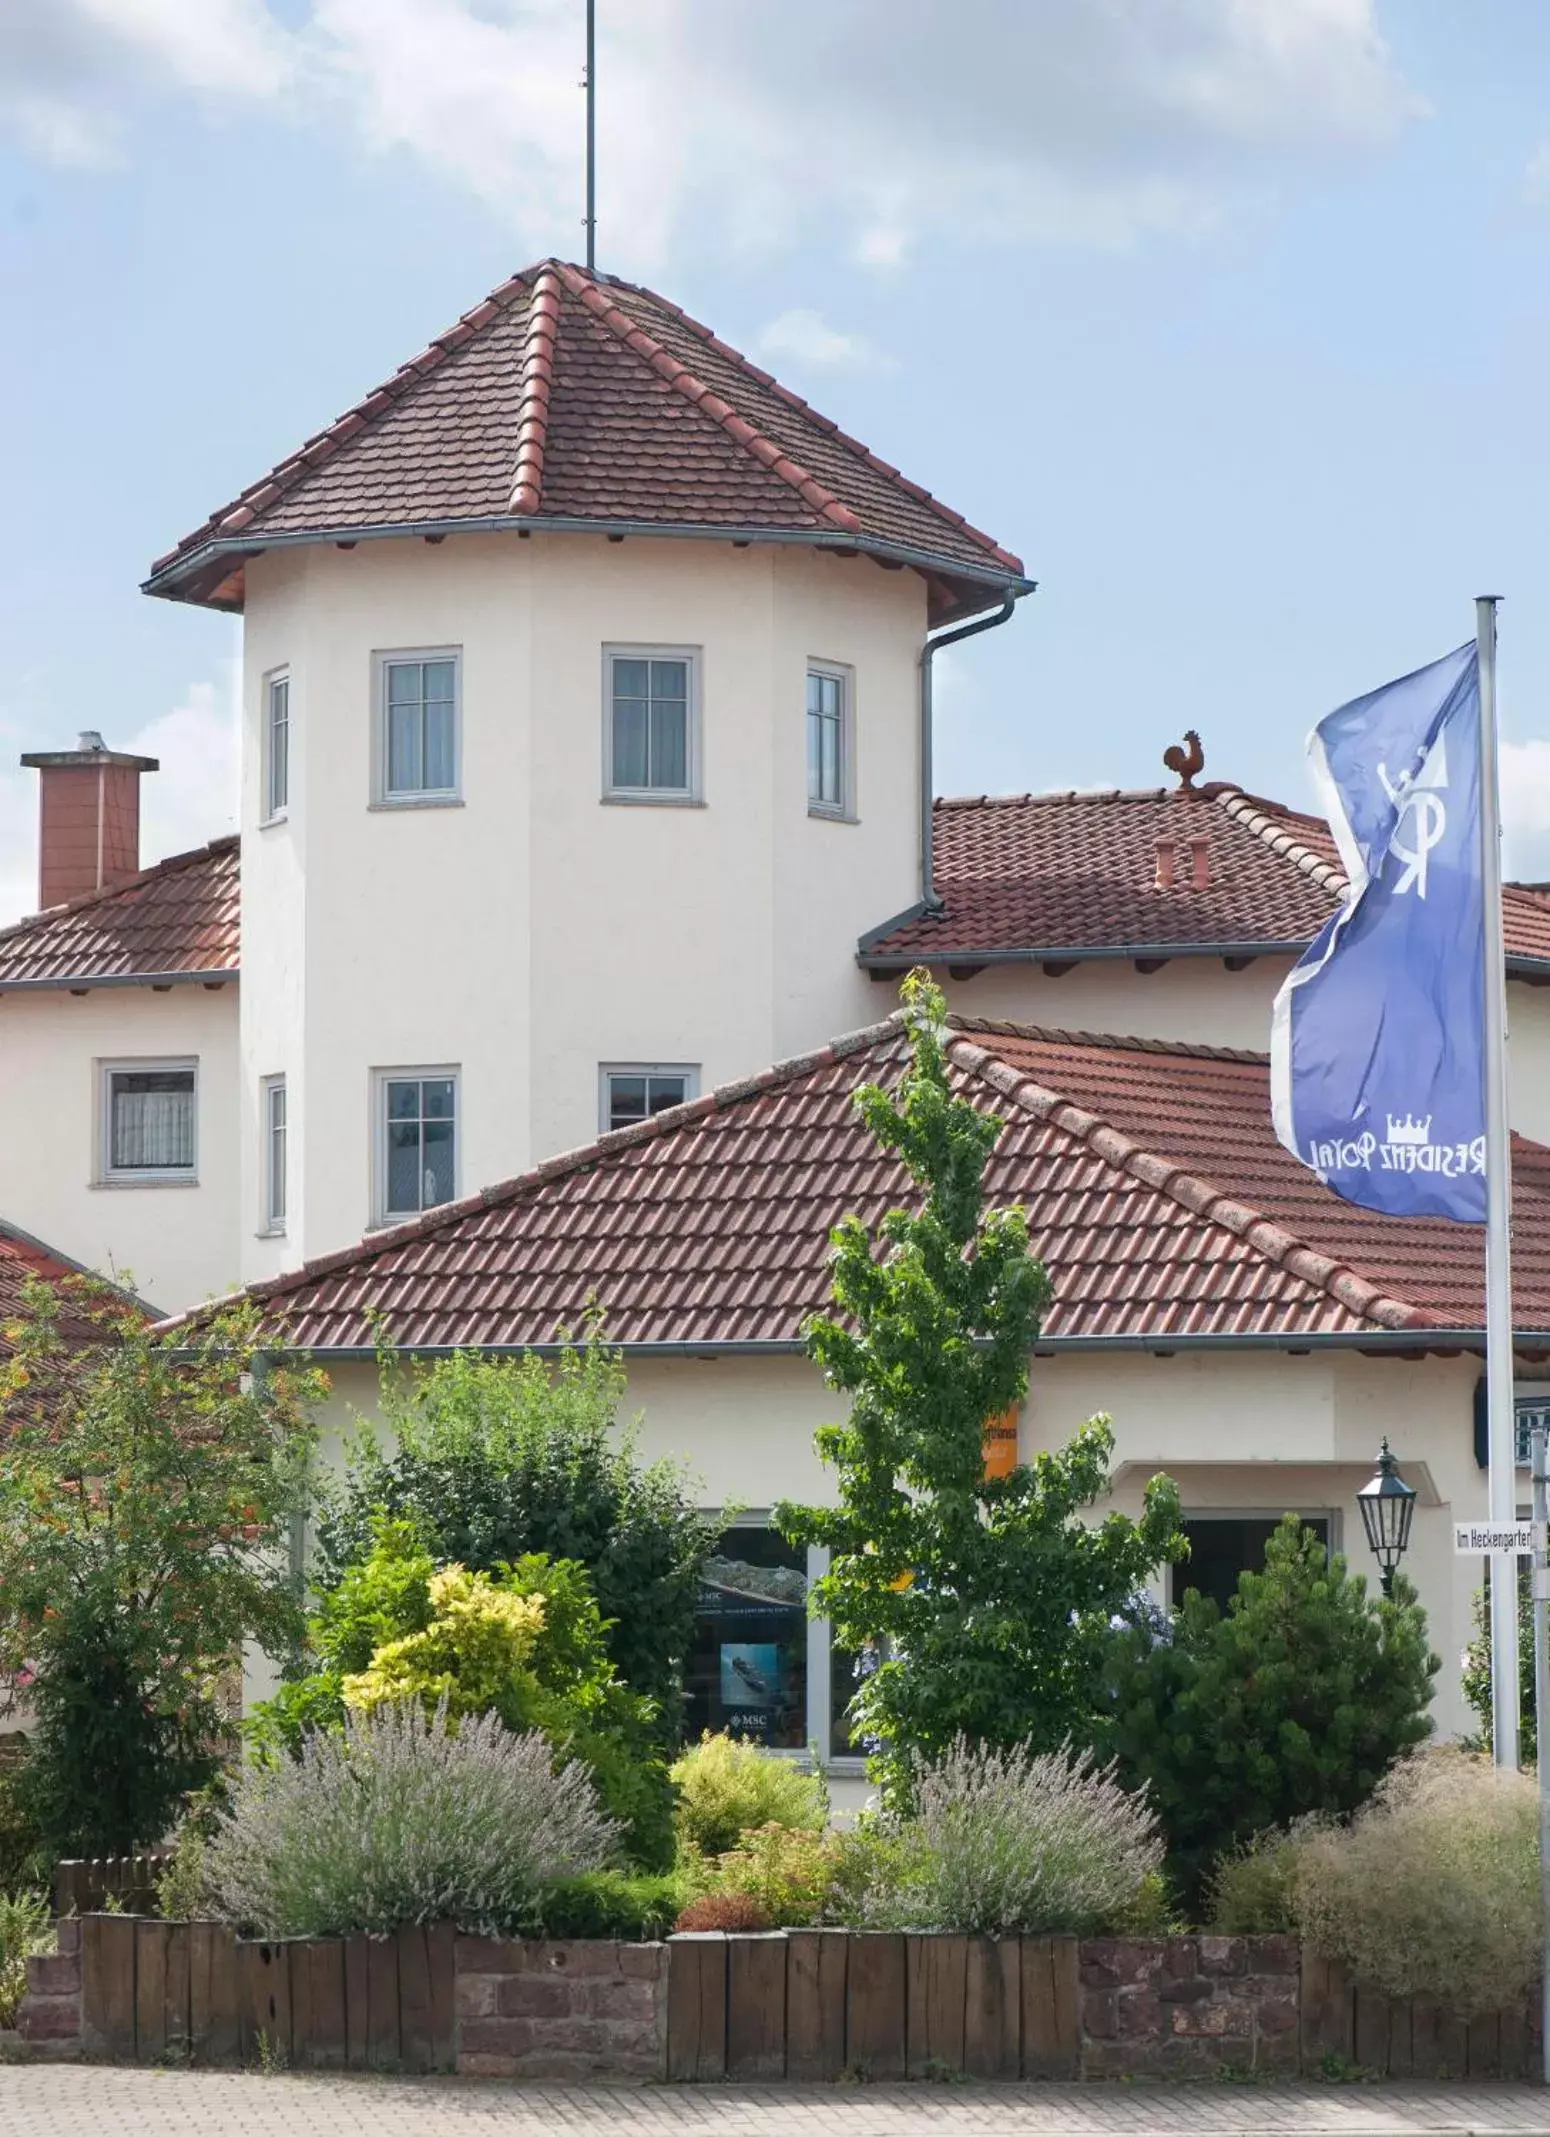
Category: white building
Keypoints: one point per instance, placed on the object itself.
(586, 730)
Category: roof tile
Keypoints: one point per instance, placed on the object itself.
(177, 920)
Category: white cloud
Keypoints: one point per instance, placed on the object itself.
(806, 338)
(192, 798)
(868, 124)
(1525, 778)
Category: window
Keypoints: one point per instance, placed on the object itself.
(633, 1092)
(274, 1153)
(417, 1141)
(418, 717)
(1221, 1546)
(828, 740)
(149, 1121)
(758, 1666)
(651, 722)
(277, 748)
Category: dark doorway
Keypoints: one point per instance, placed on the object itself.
(1220, 1548)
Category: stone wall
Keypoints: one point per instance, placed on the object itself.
(1176, 2006)
(560, 2010)
(50, 2014)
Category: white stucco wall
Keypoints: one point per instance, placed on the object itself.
(1258, 1433)
(534, 931)
(177, 1242)
(1198, 1000)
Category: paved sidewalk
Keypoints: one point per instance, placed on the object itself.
(65, 2100)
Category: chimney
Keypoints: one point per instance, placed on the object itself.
(1200, 862)
(88, 818)
(1167, 854)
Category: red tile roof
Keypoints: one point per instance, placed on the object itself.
(566, 397)
(1063, 876)
(23, 1258)
(1156, 1192)
(178, 920)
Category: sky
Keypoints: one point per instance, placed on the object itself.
(1230, 316)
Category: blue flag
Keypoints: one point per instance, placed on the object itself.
(1377, 1050)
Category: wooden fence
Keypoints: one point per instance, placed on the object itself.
(129, 1881)
(1409, 2038)
(195, 1991)
(813, 2004)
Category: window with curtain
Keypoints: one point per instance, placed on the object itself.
(419, 1142)
(651, 712)
(828, 741)
(277, 793)
(148, 1132)
(419, 726)
(274, 1153)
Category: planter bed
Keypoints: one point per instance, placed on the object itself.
(795, 2005)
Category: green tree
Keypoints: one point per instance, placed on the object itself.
(493, 1459)
(147, 1489)
(1477, 1664)
(1298, 1700)
(982, 1605)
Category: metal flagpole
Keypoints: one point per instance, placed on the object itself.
(591, 136)
(1502, 1427)
(1541, 1593)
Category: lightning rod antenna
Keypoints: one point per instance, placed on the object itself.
(589, 83)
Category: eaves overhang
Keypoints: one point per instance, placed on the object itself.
(87, 982)
(187, 578)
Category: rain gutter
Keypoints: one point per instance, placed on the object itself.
(930, 902)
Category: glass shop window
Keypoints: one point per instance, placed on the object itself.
(747, 1670)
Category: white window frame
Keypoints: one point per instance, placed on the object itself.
(386, 797)
(274, 1223)
(110, 1175)
(607, 1070)
(842, 811)
(276, 809)
(381, 1215)
(689, 796)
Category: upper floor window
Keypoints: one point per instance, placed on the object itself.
(829, 750)
(416, 1141)
(277, 747)
(149, 1121)
(651, 723)
(274, 1153)
(634, 1092)
(418, 739)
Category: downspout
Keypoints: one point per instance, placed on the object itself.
(928, 653)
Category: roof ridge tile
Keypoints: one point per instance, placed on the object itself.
(1198, 1195)
(1278, 835)
(169, 864)
(682, 380)
(543, 320)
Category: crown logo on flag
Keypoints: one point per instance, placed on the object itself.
(1410, 1130)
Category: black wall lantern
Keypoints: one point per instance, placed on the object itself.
(1387, 1504)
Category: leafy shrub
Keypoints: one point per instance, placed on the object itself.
(1039, 1842)
(1252, 1890)
(1297, 1701)
(25, 1928)
(726, 1788)
(398, 1819)
(1477, 1663)
(1432, 1889)
(494, 1459)
(789, 1873)
(609, 1903)
(525, 1643)
(183, 1888)
(25, 1859)
(728, 1911)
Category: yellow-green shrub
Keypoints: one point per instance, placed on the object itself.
(727, 1789)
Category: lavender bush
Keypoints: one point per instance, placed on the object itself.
(1015, 1840)
(399, 1820)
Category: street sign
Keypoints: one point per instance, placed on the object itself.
(1492, 1539)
